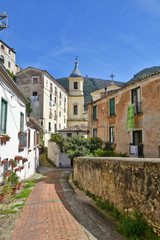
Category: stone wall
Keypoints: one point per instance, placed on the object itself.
(57, 157)
(126, 182)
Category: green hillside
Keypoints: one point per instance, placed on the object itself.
(90, 85)
(145, 72)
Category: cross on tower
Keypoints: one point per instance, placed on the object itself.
(112, 76)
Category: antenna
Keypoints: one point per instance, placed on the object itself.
(3, 21)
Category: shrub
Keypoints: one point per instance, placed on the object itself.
(94, 143)
(108, 146)
(101, 153)
(58, 139)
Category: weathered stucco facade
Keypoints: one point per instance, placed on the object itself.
(128, 183)
(49, 99)
(146, 117)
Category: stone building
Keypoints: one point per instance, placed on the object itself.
(8, 58)
(48, 99)
(108, 117)
(76, 113)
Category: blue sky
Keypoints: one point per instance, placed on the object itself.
(119, 36)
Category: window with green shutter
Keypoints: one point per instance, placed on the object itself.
(112, 106)
(21, 122)
(3, 119)
(95, 113)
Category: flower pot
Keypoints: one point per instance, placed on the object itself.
(19, 134)
(14, 190)
(7, 139)
(14, 165)
(3, 139)
(7, 173)
(29, 150)
(16, 169)
(20, 157)
(16, 158)
(19, 185)
(3, 162)
(22, 167)
(25, 159)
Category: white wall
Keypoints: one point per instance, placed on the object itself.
(58, 107)
(10, 149)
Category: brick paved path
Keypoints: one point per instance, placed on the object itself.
(47, 215)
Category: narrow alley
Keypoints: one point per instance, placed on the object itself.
(55, 211)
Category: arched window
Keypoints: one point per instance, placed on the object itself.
(75, 109)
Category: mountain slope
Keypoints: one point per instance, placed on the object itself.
(90, 85)
(145, 72)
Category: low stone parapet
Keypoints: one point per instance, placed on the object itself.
(126, 182)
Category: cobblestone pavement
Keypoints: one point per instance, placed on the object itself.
(47, 214)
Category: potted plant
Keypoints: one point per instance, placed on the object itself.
(20, 134)
(13, 179)
(16, 169)
(25, 159)
(16, 158)
(29, 150)
(5, 138)
(7, 173)
(14, 164)
(22, 167)
(10, 161)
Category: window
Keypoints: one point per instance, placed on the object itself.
(51, 89)
(9, 51)
(46, 83)
(95, 132)
(9, 64)
(3, 119)
(137, 140)
(22, 141)
(59, 125)
(50, 97)
(2, 46)
(35, 80)
(75, 85)
(35, 97)
(55, 127)
(111, 135)
(69, 134)
(37, 138)
(75, 110)
(49, 126)
(55, 91)
(60, 102)
(60, 94)
(34, 138)
(1, 59)
(95, 113)
(21, 122)
(136, 99)
(55, 99)
(29, 136)
(59, 113)
(112, 107)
